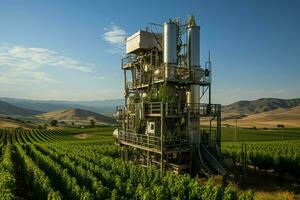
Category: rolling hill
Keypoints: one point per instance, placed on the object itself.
(259, 106)
(75, 115)
(263, 113)
(289, 117)
(6, 109)
(105, 107)
(10, 123)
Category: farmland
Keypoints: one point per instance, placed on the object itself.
(272, 157)
(53, 164)
(278, 150)
(259, 135)
(56, 164)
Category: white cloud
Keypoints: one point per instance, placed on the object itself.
(115, 36)
(22, 64)
(33, 58)
(105, 77)
(23, 77)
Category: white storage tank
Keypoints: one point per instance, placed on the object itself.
(170, 42)
(193, 57)
(193, 46)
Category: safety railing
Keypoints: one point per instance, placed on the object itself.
(204, 109)
(169, 143)
(171, 73)
(180, 74)
(127, 61)
(196, 74)
(169, 108)
(150, 141)
(141, 139)
(155, 108)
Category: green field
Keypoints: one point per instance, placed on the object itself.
(56, 164)
(277, 151)
(265, 148)
(228, 134)
(251, 135)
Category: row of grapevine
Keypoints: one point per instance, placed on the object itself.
(3, 137)
(85, 177)
(41, 186)
(91, 170)
(7, 180)
(13, 136)
(120, 180)
(283, 157)
(64, 182)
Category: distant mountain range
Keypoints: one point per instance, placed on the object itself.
(35, 110)
(7, 109)
(105, 107)
(289, 117)
(75, 115)
(265, 111)
(260, 105)
(11, 123)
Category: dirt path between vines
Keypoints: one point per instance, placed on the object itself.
(22, 190)
(81, 135)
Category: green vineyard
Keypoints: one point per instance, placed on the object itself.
(283, 156)
(53, 164)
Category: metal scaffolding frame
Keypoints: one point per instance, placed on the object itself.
(167, 132)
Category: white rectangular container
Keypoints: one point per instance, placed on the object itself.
(142, 40)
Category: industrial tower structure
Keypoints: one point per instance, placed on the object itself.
(164, 85)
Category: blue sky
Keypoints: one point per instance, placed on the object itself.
(71, 50)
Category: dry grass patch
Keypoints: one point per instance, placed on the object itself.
(81, 135)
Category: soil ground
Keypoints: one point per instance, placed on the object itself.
(81, 135)
(270, 186)
(22, 190)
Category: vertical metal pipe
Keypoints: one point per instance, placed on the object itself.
(193, 56)
(193, 46)
(170, 43)
(193, 61)
(148, 151)
(125, 107)
(219, 127)
(161, 134)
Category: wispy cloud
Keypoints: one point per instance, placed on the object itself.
(115, 36)
(21, 77)
(105, 77)
(33, 58)
(23, 64)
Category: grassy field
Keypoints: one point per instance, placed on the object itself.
(39, 147)
(228, 134)
(274, 152)
(274, 149)
(56, 164)
(257, 135)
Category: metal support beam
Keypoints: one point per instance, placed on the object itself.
(161, 135)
